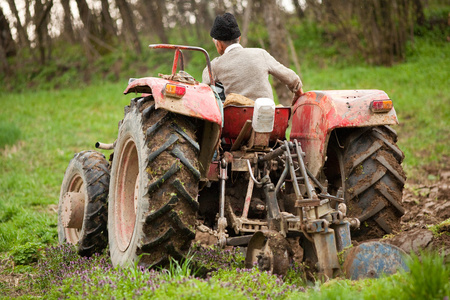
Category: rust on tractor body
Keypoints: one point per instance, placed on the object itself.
(198, 102)
(317, 113)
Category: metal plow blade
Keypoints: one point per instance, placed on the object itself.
(372, 259)
(270, 251)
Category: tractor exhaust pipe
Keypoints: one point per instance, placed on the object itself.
(99, 145)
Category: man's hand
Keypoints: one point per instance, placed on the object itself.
(297, 95)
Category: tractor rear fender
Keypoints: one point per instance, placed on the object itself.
(198, 102)
(317, 113)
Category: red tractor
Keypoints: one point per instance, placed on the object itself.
(185, 167)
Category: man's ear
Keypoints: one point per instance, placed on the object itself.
(221, 47)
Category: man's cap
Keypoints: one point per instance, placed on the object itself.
(225, 28)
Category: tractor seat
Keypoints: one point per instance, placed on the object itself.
(236, 115)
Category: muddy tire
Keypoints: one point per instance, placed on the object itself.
(87, 177)
(154, 186)
(374, 181)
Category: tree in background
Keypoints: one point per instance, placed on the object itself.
(152, 12)
(278, 46)
(68, 31)
(21, 33)
(7, 46)
(108, 29)
(90, 31)
(129, 27)
(41, 21)
(377, 30)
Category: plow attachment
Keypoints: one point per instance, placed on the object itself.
(320, 229)
(270, 251)
(373, 259)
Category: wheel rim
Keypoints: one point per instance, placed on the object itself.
(76, 185)
(127, 194)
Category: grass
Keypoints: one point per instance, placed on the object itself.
(41, 130)
(9, 134)
(63, 274)
(53, 126)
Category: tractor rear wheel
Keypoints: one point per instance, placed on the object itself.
(154, 186)
(82, 211)
(374, 181)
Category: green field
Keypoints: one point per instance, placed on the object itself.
(41, 130)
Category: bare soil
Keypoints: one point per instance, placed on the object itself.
(12, 282)
(427, 203)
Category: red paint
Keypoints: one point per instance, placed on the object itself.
(236, 116)
(317, 113)
(199, 100)
(213, 173)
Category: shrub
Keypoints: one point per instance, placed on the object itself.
(26, 254)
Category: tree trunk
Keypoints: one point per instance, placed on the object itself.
(418, 12)
(206, 14)
(21, 32)
(294, 55)
(41, 22)
(6, 39)
(246, 22)
(182, 22)
(28, 18)
(278, 46)
(68, 26)
(198, 20)
(298, 9)
(160, 10)
(152, 12)
(4, 65)
(88, 19)
(109, 30)
(313, 7)
(7, 45)
(129, 28)
(147, 14)
(220, 7)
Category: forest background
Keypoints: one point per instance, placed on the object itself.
(52, 43)
(64, 65)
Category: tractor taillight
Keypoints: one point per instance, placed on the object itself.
(173, 90)
(381, 105)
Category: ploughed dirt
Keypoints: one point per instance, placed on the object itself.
(427, 203)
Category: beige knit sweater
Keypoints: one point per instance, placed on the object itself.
(245, 71)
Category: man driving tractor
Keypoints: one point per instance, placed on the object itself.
(245, 71)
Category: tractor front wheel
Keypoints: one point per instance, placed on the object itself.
(82, 211)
